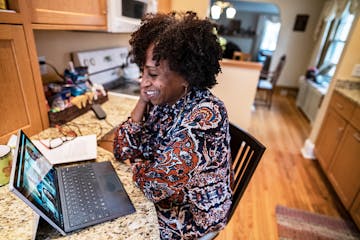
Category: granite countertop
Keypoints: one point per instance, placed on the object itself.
(16, 218)
(349, 89)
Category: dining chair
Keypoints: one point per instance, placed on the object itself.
(266, 84)
(241, 56)
(246, 152)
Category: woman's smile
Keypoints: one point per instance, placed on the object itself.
(152, 93)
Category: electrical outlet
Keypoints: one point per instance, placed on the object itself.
(43, 68)
(356, 71)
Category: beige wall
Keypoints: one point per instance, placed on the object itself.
(297, 46)
(350, 57)
(57, 46)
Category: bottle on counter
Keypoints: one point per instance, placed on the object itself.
(3, 4)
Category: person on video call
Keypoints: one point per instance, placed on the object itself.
(177, 137)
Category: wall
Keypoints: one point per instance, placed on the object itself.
(248, 21)
(199, 6)
(244, 43)
(56, 46)
(296, 45)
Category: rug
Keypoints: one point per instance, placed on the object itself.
(294, 224)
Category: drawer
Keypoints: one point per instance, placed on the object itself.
(342, 105)
(355, 119)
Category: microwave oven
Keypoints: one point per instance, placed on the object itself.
(124, 15)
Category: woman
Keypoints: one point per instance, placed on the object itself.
(177, 136)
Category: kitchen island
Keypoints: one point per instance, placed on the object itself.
(17, 219)
(237, 85)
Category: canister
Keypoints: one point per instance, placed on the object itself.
(5, 164)
(3, 4)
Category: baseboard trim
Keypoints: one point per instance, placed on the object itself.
(284, 90)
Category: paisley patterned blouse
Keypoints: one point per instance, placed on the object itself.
(181, 161)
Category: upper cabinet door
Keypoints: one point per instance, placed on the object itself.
(64, 14)
(19, 105)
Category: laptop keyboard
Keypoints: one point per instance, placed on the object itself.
(83, 199)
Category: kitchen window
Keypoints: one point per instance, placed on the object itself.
(270, 37)
(334, 45)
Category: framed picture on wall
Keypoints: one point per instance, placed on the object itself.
(301, 22)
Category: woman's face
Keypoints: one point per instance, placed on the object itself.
(159, 84)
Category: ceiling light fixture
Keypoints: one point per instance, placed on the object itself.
(218, 7)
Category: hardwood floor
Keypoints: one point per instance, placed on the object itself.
(283, 176)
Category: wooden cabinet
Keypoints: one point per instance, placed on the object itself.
(355, 210)
(344, 171)
(329, 137)
(331, 132)
(19, 105)
(68, 15)
(338, 150)
(164, 6)
(22, 100)
(13, 16)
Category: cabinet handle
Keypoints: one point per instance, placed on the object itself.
(339, 132)
(356, 136)
(339, 106)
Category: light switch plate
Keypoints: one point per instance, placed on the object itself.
(356, 71)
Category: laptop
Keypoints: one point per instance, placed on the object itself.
(68, 197)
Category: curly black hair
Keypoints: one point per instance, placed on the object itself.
(187, 43)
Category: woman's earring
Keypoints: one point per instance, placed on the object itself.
(186, 88)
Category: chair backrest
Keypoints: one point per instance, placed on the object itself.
(278, 70)
(241, 56)
(246, 152)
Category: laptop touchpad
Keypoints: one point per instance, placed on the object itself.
(110, 183)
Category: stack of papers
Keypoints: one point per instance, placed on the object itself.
(79, 149)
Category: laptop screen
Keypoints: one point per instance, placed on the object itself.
(35, 178)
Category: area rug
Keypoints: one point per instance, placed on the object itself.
(294, 224)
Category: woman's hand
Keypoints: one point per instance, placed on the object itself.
(138, 112)
(143, 96)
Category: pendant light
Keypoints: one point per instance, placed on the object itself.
(218, 7)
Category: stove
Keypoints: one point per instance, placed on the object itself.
(106, 67)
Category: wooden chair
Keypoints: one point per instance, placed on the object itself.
(246, 152)
(241, 56)
(266, 84)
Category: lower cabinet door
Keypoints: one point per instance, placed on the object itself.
(344, 170)
(355, 210)
(329, 138)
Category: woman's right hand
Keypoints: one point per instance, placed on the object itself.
(143, 96)
(138, 112)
